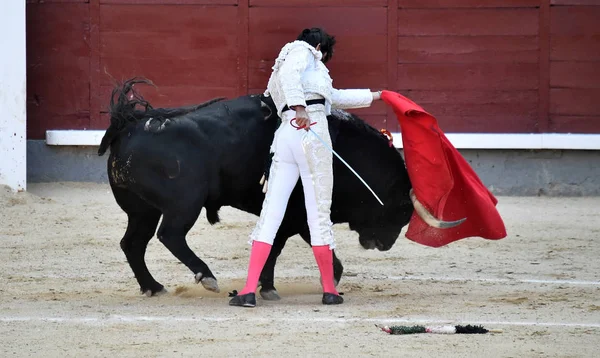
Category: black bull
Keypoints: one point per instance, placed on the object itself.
(174, 162)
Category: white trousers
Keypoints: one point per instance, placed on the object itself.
(300, 154)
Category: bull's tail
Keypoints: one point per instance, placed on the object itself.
(128, 106)
(123, 102)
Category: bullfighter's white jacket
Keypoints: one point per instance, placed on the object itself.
(299, 74)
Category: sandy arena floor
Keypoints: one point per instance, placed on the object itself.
(67, 290)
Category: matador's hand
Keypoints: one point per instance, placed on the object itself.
(302, 120)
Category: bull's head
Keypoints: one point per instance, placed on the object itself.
(381, 226)
(381, 238)
(382, 234)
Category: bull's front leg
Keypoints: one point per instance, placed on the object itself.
(172, 233)
(338, 269)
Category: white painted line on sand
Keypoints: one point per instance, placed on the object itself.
(115, 319)
(492, 280)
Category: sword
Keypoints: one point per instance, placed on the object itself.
(348, 165)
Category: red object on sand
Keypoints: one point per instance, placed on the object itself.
(442, 180)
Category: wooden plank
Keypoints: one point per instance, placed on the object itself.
(358, 75)
(103, 122)
(36, 129)
(575, 20)
(378, 108)
(171, 2)
(174, 71)
(55, 1)
(468, 49)
(191, 47)
(349, 48)
(59, 85)
(345, 21)
(366, 68)
(57, 30)
(488, 76)
(378, 122)
(418, 4)
(469, 22)
(204, 20)
(168, 45)
(575, 38)
(361, 52)
(575, 48)
(574, 124)
(483, 109)
(318, 3)
(58, 67)
(392, 124)
(576, 2)
(544, 67)
(575, 74)
(173, 96)
(477, 102)
(473, 97)
(344, 74)
(242, 45)
(392, 58)
(95, 103)
(488, 123)
(375, 115)
(575, 102)
(256, 90)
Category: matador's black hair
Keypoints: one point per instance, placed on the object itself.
(315, 36)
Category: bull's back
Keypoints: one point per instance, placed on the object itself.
(171, 156)
(222, 147)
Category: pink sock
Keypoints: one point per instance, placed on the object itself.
(258, 256)
(324, 258)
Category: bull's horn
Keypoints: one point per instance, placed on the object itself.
(430, 219)
(263, 106)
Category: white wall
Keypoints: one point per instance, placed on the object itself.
(12, 94)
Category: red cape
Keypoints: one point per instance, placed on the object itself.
(442, 180)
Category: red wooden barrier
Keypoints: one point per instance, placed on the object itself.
(479, 66)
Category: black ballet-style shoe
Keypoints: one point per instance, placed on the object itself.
(247, 300)
(332, 299)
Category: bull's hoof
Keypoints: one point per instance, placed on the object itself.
(210, 284)
(270, 295)
(150, 293)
